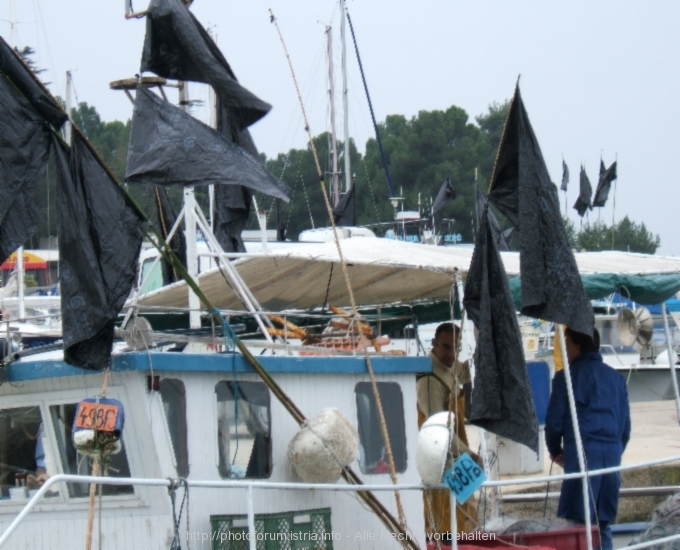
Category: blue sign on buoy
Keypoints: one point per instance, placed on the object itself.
(464, 477)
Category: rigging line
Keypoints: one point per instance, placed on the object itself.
(370, 106)
(57, 80)
(355, 314)
(304, 189)
(370, 188)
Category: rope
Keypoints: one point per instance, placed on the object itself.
(95, 471)
(177, 519)
(547, 490)
(383, 426)
(328, 289)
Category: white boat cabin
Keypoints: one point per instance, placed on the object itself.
(203, 417)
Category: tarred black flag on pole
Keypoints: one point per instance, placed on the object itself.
(583, 202)
(24, 150)
(521, 189)
(607, 176)
(344, 214)
(165, 219)
(170, 147)
(501, 397)
(177, 46)
(445, 196)
(565, 176)
(26, 111)
(100, 235)
(501, 237)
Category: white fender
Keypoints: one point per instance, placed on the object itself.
(434, 440)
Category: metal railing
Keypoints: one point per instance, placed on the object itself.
(252, 485)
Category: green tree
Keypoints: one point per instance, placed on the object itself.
(634, 237)
(626, 236)
(26, 53)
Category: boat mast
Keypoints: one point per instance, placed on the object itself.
(20, 250)
(345, 110)
(331, 97)
(190, 221)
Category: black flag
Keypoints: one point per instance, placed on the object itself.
(501, 397)
(231, 208)
(169, 146)
(565, 176)
(24, 150)
(100, 236)
(177, 46)
(521, 189)
(500, 237)
(607, 176)
(583, 202)
(165, 220)
(27, 83)
(344, 212)
(445, 196)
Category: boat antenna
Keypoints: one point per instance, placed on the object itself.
(383, 158)
(355, 313)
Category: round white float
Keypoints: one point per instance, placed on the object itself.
(321, 449)
(434, 440)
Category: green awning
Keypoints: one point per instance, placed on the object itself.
(643, 289)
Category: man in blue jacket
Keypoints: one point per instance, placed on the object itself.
(604, 419)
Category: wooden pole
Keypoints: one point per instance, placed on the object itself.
(90, 512)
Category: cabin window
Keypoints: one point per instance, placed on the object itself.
(155, 281)
(25, 457)
(174, 400)
(243, 430)
(78, 464)
(372, 455)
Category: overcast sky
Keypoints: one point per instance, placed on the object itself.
(599, 78)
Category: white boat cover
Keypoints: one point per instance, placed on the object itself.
(382, 271)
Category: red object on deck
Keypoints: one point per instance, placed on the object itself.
(433, 546)
(564, 539)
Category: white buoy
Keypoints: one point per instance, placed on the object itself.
(323, 447)
(434, 440)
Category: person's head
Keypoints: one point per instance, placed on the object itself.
(445, 343)
(578, 343)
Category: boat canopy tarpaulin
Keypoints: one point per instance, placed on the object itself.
(100, 236)
(31, 261)
(501, 394)
(177, 46)
(383, 271)
(170, 147)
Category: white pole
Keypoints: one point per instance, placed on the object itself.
(672, 357)
(577, 434)
(454, 526)
(331, 98)
(212, 101)
(13, 25)
(262, 217)
(345, 110)
(190, 220)
(252, 543)
(20, 282)
(68, 128)
(20, 250)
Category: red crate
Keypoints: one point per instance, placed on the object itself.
(564, 539)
